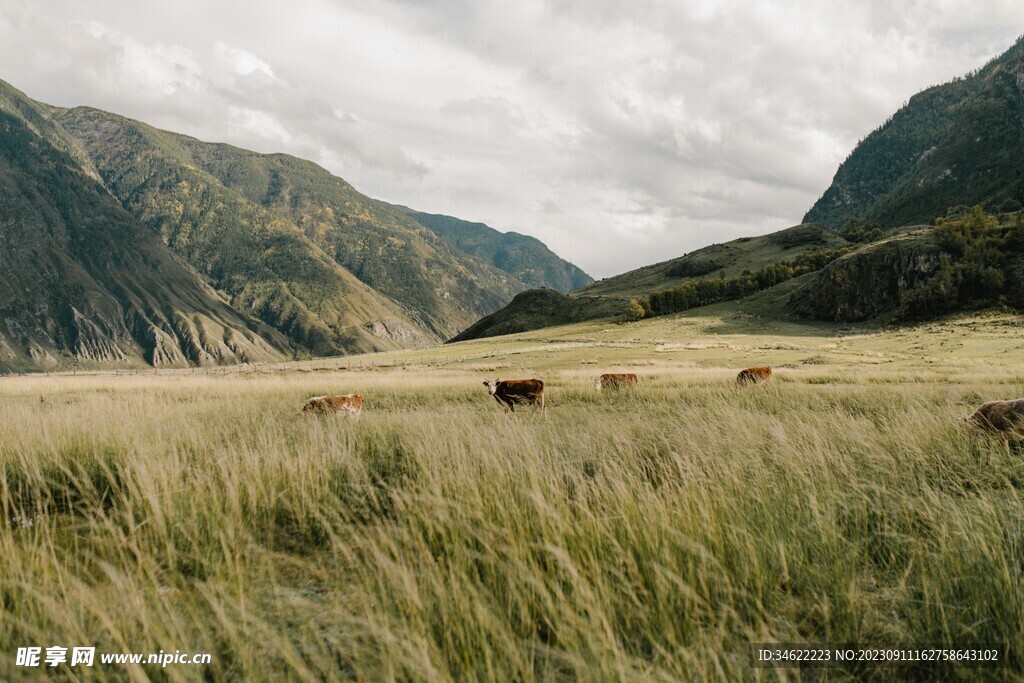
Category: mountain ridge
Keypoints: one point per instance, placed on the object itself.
(268, 250)
(954, 144)
(261, 262)
(522, 256)
(894, 234)
(610, 298)
(80, 276)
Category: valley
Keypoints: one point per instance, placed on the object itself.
(647, 533)
(168, 306)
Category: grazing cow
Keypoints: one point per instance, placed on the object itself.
(615, 380)
(349, 404)
(1004, 417)
(754, 376)
(509, 392)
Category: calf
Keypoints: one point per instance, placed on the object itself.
(615, 381)
(754, 376)
(509, 392)
(348, 404)
(1004, 417)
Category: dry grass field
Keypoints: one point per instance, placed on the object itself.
(647, 535)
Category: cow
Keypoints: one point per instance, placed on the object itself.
(614, 380)
(509, 392)
(1003, 417)
(754, 376)
(347, 404)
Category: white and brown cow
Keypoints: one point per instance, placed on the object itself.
(1001, 417)
(509, 392)
(615, 380)
(345, 404)
(754, 376)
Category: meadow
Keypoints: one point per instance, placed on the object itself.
(648, 535)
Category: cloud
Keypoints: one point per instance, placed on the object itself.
(188, 82)
(241, 62)
(160, 69)
(618, 133)
(259, 123)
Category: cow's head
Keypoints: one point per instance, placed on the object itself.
(492, 386)
(979, 420)
(597, 383)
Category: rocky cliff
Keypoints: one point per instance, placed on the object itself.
(870, 282)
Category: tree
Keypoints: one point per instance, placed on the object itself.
(635, 311)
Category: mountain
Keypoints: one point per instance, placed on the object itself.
(957, 144)
(124, 243)
(892, 238)
(610, 297)
(260, 261)
(525, 258)
(968, 260)
(285, 238)
(84, 283)
(538, 308)
(717, 260)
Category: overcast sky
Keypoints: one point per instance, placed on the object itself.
(619, 133)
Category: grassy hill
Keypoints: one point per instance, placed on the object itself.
(82, 282)
(728, 259)
(609, 298)
(968, 260)
(538, 308)
(524, 257)
(955, 144)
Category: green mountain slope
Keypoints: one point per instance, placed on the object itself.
(82, 282)
(440, 286)
(957, 144)
(261, 261)
(535, 309)
(968, 260)
(728, 259)
(285, 237)
(610, 297)
(191, 242)
(525, 258)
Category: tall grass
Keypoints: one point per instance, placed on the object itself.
(646, 535)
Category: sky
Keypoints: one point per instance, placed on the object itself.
(620, 134)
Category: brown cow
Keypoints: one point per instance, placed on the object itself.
(754, 376)
(349, 404)
(1005, 417)
(614, 380)
(509, 392)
